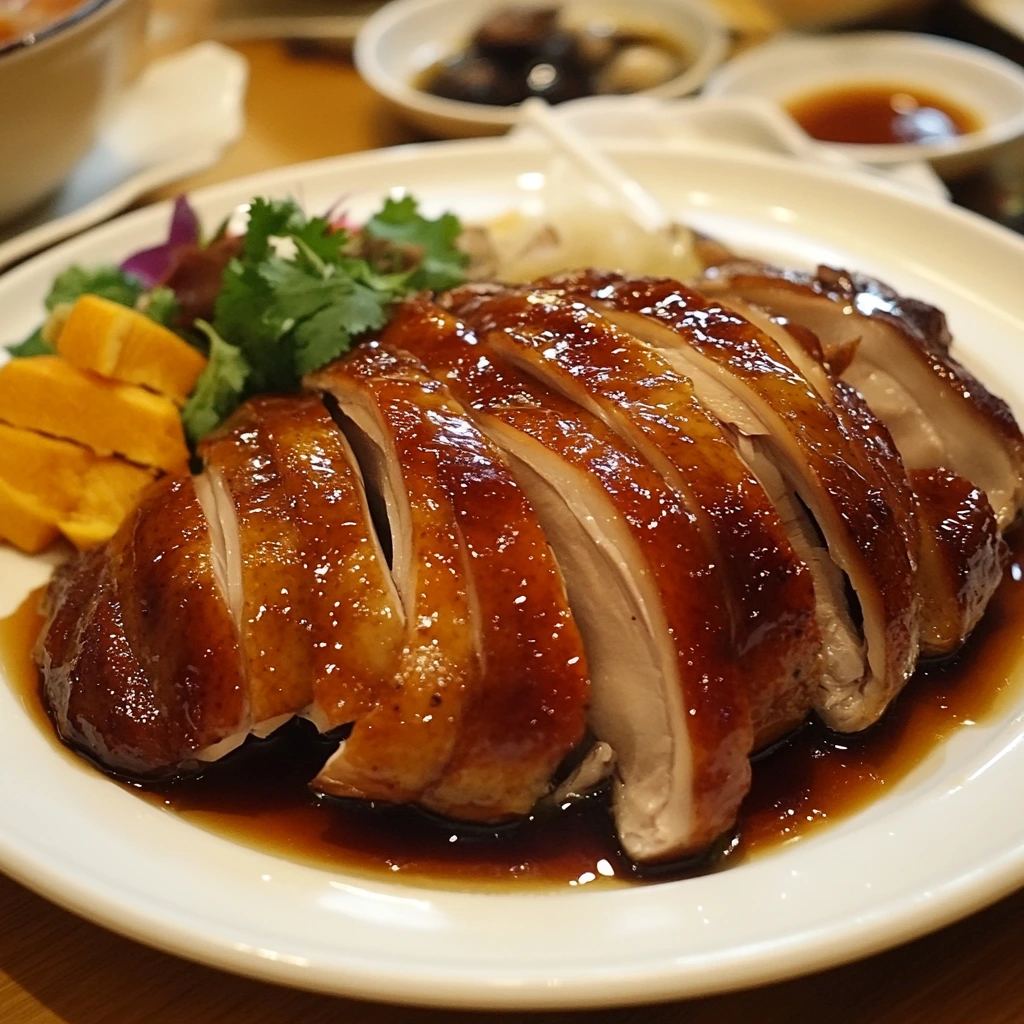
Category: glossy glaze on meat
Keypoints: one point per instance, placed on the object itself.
(355, 618)
(748, 382)
(140, 660)
(653, 611)
(601, 527)
(493, 690)
(895, 353)
(655, 409)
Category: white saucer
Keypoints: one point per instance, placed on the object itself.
(985, 83)
(176, 120)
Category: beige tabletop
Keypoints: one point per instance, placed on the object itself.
(55, 967)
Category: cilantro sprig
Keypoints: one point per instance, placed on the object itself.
(302, 289)
(299, 293)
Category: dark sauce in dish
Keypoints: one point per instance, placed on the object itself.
(880, 114)
(258, 795)
(519, 52)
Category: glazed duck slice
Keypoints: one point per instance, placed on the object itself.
(356, 622)
(262, 567)
(895, 351)
(748, 382)
(98, 695)
(666, 695)
(640, 397)
(139, 658)
(963, 557)
(951, 577)
(492, 690)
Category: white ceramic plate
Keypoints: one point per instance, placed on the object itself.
(943, 843)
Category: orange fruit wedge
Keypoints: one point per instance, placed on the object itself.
(123, 344)
(49, 395)
(48, 485)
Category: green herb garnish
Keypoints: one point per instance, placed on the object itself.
(219, 387)
(294, 299)
(302, 290)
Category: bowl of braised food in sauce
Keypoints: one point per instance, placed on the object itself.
(61, 62)
(460, 67)
(889, 97)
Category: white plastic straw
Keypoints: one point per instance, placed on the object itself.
(641, 207)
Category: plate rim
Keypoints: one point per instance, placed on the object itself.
(965, 895)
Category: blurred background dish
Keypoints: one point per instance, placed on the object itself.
(176, 24)
(960, 103)
(337, 20)
(55, 87)
(176, 119)
(819, 14)
(679, 41)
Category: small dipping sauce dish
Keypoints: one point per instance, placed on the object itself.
(461, 67)
(885, 98)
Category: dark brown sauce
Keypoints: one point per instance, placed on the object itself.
(519, 52)
(259, 796)
(877, 114)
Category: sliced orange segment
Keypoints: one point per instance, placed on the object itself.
(48, 394)
(60, 485)
(123, 344)
(50, 471)
(22, 521)
(110, 491)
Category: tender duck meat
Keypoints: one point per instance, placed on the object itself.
(861, 425)
(139, 659)
(963, 557)
(747, 381)
(263, 568)
(895, 351)
(945, 618)
(639, 396)
(492, 692)
(643, 586)
(356, 621)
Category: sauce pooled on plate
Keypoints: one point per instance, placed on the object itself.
(259, 797)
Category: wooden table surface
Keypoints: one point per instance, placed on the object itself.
(55, 967)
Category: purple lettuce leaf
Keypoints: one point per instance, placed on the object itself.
(151, 266)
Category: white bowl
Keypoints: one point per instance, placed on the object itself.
(404, 38)
(55, 88)
(988, 85)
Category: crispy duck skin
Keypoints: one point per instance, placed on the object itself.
(140, 664)
(963, 557)
(266, 575)
(120, 723)
(680, 519)
(356, 622)
(948, 610)
(522, 683)
(895, 351)
(639, 396)
(666, 694)
(746, 379)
